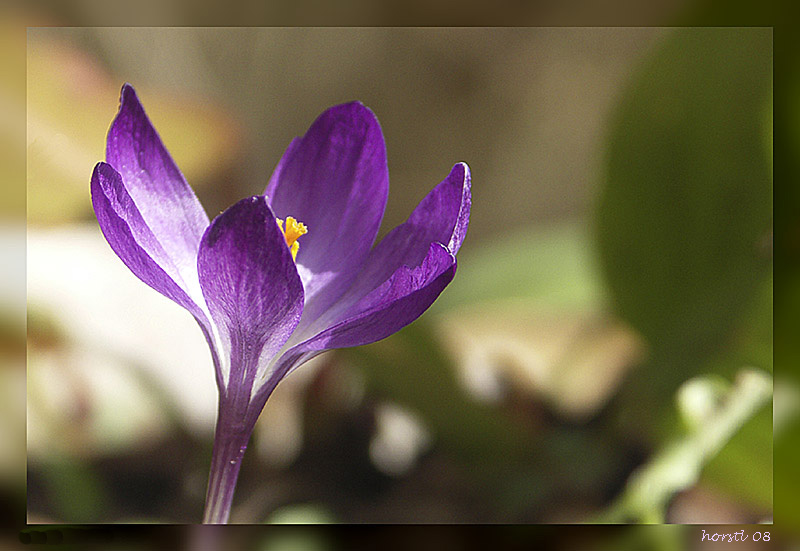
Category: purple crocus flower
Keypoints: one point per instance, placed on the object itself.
(277, 278)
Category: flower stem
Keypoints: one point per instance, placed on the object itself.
(226, 459)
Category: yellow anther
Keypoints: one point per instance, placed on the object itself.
(294, 230)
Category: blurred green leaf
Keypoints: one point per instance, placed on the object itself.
(74, 488)
(787, 458)
(680, 463)
(686, 209)
(751, 342)
(743, 468)
(553, 266)
(301, 514)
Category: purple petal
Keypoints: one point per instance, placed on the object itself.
(335, 180)
(387, 309)
(131, 238)
(441, 217)
(164, 199)
(394, 304)
(402, 276)
(251, 286)
(444, 212)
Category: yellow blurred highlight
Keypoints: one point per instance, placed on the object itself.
(72, 101)
(12, 118)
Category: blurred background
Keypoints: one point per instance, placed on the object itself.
(603, 355)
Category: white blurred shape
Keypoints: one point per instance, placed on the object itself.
(699, 397)
(12, 271)
(82, 402)
(76, 280)
(479, 376)
(399, 439)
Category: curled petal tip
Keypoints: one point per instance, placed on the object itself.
(127, 94)
(351, 110)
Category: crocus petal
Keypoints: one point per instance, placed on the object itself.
(444, 212)
(335, 180)
(132, 239)
(251, 286)
(387, 309)
(441, 217)
(166, 202)
(401, 277)
(394, 304)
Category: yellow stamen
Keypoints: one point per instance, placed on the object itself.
(294, 230)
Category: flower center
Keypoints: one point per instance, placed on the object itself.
(293, 231)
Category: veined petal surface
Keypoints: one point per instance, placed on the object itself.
(167, 204)
(132, 239)
(335, 180)
(441, 217)
(391, 306)
(402, 275)
(251, 286)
